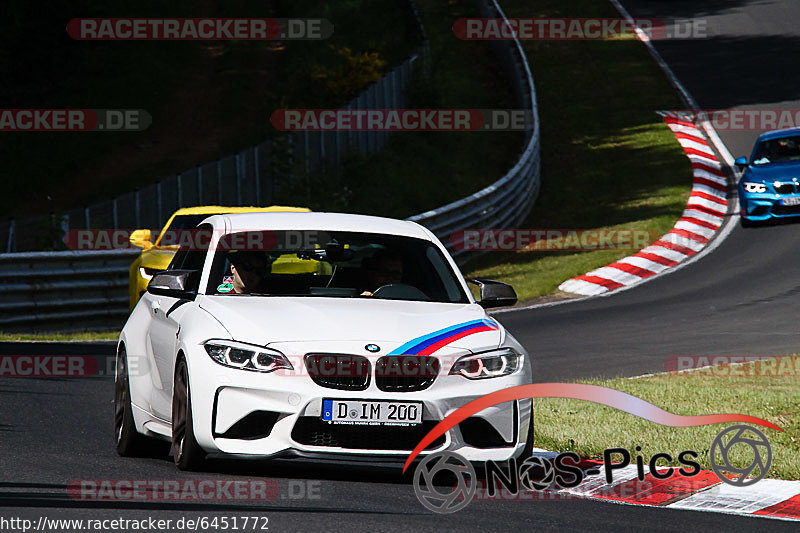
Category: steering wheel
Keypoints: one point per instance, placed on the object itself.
(400, 291)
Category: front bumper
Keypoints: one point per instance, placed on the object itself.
(763, 206)
(252, 414)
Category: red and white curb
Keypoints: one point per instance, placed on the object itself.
(702, 218)
(768, 498)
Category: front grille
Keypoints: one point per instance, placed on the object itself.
(786, 210)
(338, 371)
(785, 188)
(312, 431)
(405, 373)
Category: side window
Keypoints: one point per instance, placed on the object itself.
(192, 254)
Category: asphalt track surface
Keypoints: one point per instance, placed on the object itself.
(737, 300)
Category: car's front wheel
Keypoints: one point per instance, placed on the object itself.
(129, 442)
(187, 453)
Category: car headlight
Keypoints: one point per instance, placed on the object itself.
(487, 364)
(755, 187)
(246, 356)
(148, 273)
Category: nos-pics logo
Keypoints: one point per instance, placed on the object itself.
(445, 482)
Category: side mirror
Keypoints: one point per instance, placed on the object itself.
(740, 162)
(140, 238)
(494, 293)
(174, 283)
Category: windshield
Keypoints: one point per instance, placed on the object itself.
(777, 150)
(332, 264)
(171, 235)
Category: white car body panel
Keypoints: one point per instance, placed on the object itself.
(161, 327)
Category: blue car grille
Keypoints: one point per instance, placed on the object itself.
(786, 188)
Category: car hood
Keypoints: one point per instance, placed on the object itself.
(266, 320)
(158, 258)
(775, 171)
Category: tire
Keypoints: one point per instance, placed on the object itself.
(527, 451)
(747, 223)
(129, 442)
(186, 452)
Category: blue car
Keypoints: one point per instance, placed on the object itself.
(770, 185)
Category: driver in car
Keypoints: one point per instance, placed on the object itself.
(249, 270)
(383, 268)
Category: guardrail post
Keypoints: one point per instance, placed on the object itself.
(159, 202)
(219, 181)
(114, 213)
(180, 191)
(86, 217)
(306, 153)
(258, 175)
(138, 209)
(238, 179)
(200, 185)
(10, 246)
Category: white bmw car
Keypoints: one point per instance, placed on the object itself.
(319, 335)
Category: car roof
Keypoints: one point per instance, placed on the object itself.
(319, 221)
(216, 209)
(778, 133)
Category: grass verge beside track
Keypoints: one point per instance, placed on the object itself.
(768, 391)
(61, 337)
(608, 160)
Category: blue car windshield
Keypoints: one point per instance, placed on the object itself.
(777, 150)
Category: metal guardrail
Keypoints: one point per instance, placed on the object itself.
(64, 290)
(507, 201)
(48, 291)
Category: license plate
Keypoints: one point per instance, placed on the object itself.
(795, 200)
(372, 413)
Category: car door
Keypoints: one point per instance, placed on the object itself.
(166, 314)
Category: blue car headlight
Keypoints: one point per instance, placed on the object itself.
(488, 364)
(754, 187)
(246, 356)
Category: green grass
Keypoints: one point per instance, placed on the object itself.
(608, 160)
(588, 428)
(61, 337)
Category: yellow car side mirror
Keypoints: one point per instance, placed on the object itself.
(141, 239)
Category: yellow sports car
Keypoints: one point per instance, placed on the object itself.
(157, 256)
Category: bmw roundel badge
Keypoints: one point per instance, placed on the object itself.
(372, 348)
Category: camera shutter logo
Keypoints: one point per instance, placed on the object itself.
(722, 446)
(445, 499)
(537, 473)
